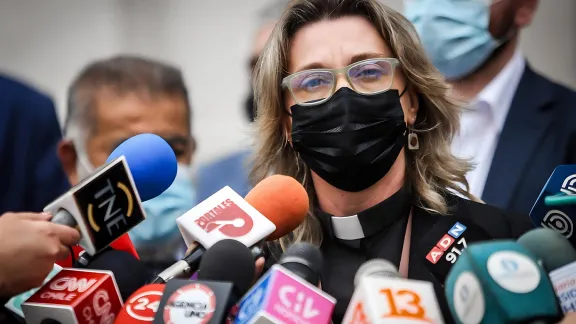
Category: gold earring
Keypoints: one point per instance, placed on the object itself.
(413, 142)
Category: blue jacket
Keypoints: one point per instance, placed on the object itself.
(31, 173)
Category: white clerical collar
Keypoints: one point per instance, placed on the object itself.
(370, 221)
(347, 227)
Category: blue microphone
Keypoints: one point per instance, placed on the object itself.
(500, 282)
(108, 203)
(557, 216)
(151, 161)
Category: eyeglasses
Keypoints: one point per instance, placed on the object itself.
(315, 86)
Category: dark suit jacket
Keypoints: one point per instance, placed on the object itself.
(539, 134)
(30, 170)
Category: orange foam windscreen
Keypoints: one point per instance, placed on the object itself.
(283, 200)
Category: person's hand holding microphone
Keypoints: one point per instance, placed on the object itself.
(29, 246)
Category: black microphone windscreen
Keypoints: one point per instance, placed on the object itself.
(130, 273)
(304, 260)
(230, 261)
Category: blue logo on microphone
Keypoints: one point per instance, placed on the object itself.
(509, 265)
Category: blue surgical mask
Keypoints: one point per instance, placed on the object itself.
(161, 212)
(454, 33)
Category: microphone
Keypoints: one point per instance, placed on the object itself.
(106, 205)
(272, 209)
(142, 306)
(75, 296)
(500, 282)
(226, 272)
(87, 295)
(282, 296)
(562, 181)
(304, 260)
(381, 296)
(559, 259)
(446, 241)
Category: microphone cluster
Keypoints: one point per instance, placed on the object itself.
(532, 280)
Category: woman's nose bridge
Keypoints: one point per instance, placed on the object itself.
(342, 81)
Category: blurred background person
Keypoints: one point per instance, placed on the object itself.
(116, 98)
(232, 170)
(31, 173)
(520, 124)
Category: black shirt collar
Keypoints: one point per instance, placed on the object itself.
(370, 221)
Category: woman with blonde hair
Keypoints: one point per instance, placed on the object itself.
(349, 105)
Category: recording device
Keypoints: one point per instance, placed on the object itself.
(283, 296)
(381, 296)
(226, 272)
(142, 306)
(272, 209)
(107, 204)
(85, 295)
(445, 242)
(559, 259)
(304, 260)
(500, 282)
(558, 217)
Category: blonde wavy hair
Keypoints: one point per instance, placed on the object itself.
(432, 171)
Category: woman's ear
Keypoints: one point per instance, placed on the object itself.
(413, 106)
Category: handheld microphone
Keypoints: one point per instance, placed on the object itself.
(500, 282)
(304, 260)
(75, 296)
(445, 242)
(142, 306)
(107, 204)
(85, 295)
(272, 209)
(559, 217)
(381, 296)
(559, 259)
(226, 272)
(282, 296)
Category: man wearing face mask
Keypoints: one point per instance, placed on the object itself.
(114, 99)
(520, 125)
(232, 170)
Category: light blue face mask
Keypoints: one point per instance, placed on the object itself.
(161, 212)
(454, 33)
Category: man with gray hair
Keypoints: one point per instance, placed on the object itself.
(232, 170)
(114, 99)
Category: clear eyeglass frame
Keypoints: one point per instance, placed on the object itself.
(335, 72)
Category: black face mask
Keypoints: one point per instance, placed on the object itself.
(352, 140)
(250, 106)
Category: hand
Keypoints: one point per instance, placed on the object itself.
(29, 247)
(569, 318)
(259, 267)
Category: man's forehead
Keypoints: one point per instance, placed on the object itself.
(139, 112)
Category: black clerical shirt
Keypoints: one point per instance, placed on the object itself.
(384, 228)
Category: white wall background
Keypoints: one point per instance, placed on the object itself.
(47, 42)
